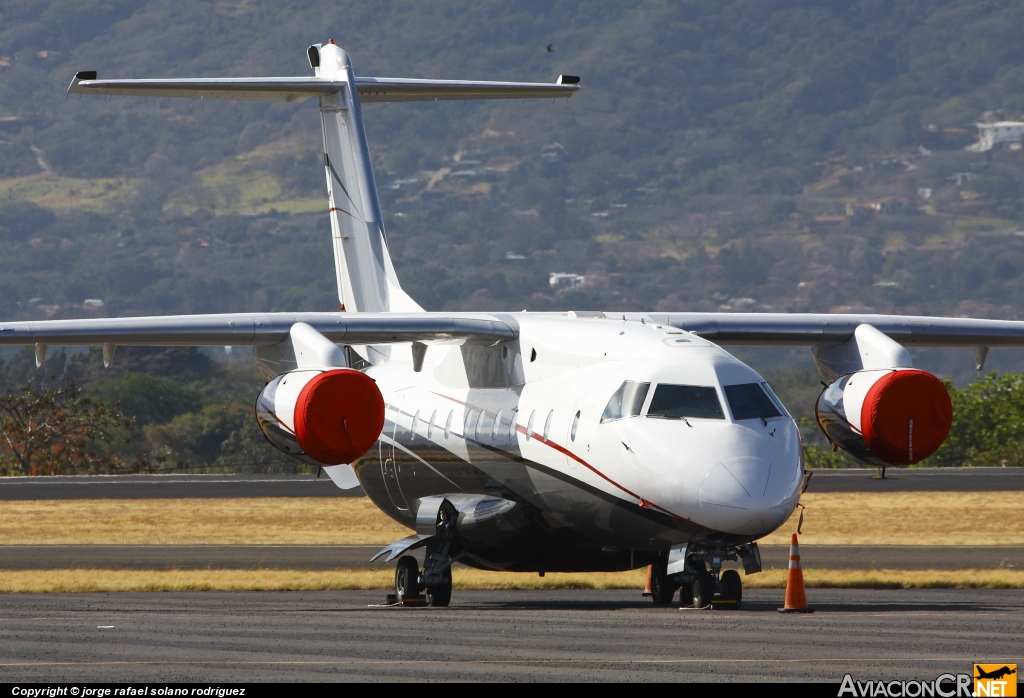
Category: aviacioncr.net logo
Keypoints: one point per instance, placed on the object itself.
(943, 686)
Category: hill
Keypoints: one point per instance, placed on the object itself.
(740, 155)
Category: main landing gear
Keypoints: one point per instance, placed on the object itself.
(434, 582)
(698, 586)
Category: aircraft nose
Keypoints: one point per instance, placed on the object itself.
(748, 495)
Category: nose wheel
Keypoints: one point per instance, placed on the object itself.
(699, 577)
(662, 587)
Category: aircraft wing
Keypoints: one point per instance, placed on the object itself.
(807, 329)
(252, 329)
(297, 89)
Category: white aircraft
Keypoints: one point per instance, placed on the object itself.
(533, 442)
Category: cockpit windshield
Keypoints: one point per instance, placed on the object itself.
(749, 401)
(627, 401)
(682, 401)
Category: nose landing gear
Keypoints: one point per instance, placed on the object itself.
(699, 587)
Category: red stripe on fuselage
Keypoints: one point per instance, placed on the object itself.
(551, 444)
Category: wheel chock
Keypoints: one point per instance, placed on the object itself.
(408, 601)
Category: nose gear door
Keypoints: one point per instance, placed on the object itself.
(388, 459)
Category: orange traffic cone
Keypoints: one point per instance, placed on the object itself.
(796, 599)
(647, 587)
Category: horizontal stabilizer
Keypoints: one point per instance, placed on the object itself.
(296, 89)
(409, 90)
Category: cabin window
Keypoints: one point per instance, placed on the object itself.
(575, 426)
(415, 426)
(448, 424)
(749, 401)
(529, 425)
(682, 401)
(547, 424)
(627, 401)
(430, 425)
(496, 427)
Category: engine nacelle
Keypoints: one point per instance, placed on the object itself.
(322, 417)
(895, 416)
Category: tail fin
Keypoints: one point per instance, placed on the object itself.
(366, 277)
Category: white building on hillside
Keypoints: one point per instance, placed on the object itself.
(991, 135)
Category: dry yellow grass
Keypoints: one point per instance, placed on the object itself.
(77, 580)
(854, 518)
(255, 521)
(908, 518)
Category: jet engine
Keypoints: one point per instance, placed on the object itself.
(322, 417)
(895, 416)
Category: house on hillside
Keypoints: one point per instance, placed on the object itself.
(887, 206)
(991, 135)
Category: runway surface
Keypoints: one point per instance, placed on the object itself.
(502, 636)
(329, 557)
(218, 486)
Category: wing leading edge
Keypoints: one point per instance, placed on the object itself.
(260, 329)
(756, 329)
(820, 330)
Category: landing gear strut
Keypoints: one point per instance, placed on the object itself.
(437, 564)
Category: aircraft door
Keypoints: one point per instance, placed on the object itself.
(388, 454)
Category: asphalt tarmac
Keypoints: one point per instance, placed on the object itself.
(330, 557)
(568, 635)
(219, 486)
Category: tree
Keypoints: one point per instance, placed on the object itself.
(54, 429)
(149, 399)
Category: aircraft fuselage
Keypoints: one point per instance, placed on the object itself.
(528, 421)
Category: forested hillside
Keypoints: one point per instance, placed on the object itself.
(736, 155)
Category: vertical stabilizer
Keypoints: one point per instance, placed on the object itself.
(366, 277)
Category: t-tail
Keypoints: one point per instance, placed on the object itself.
(365, 274)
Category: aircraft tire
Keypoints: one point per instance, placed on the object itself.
(685, 596)
(703, 590)
(407, 577)
(662, 590)
(733, 588)
(441, 594)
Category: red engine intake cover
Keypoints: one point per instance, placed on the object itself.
(906, 416)
(338, 416)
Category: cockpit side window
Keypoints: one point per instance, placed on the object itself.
(682, 401)
(775, 399)
(627, 401)
(749, 401)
